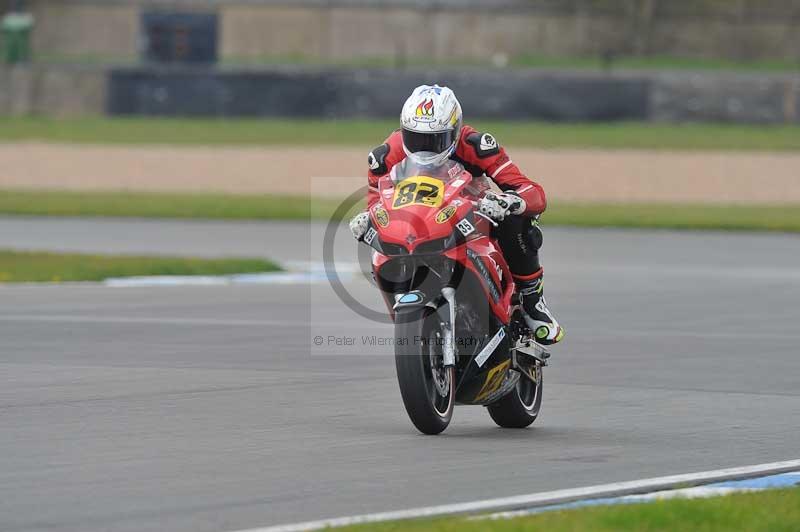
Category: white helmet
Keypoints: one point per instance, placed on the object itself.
(431, 124)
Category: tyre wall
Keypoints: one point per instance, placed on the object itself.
(506, 95)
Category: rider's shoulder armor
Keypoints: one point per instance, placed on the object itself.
(376, 160)
(484, 144)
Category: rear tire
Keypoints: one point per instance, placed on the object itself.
(427, 388)
(520, 407)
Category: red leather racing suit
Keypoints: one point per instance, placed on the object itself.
(480, 154)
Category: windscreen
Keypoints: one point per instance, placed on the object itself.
(407, 168)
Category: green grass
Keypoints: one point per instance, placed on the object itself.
(163, 205)
(16, 267)
(768, 511)
(367, 133)
(671, 216)
(221, 206)
(657, 62)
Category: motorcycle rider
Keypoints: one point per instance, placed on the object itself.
(432, 132)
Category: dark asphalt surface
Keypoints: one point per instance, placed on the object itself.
(210, 409)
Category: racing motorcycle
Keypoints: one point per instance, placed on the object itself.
(459, 332)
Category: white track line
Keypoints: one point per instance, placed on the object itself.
(172, 320)
(546, 498)
(65, 318)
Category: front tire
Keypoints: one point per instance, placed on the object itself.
(520, 407)
(427, 388)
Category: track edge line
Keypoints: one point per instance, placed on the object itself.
(547, 498)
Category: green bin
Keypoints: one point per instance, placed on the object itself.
(16, 29)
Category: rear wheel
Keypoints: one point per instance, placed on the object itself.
(520, 407)
(427, 387)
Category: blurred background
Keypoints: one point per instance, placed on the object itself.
(146, 143)
(665, 101)
(578, 60)
(633, 113)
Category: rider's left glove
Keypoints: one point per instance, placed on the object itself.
(498, 206)
(359, 224)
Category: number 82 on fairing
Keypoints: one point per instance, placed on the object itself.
(418, 190)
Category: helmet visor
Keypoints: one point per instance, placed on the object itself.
(437, 142)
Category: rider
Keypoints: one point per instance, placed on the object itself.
(431, 132)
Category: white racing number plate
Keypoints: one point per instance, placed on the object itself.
(487, 351)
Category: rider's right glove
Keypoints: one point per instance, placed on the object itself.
(359, 224)
(498, 206)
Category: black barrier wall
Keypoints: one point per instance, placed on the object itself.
(499, 94)
(373, 93)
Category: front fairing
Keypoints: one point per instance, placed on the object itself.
(481, 257)
(426, 209)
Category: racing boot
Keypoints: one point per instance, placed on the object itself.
(540, 320)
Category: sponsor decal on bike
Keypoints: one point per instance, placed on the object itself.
(418, 190)
(487, 351)
(370, 236)
(497, 268)
(494, 379)
(484, 271)
(465, 227)
(445, 214)
(381, 216)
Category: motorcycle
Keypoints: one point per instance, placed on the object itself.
(460, 337)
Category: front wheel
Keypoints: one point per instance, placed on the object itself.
(427, 387)
(520, 407)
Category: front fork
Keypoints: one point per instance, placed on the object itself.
(417, 298)
(449, 348)
(527, 357)
(527, 348)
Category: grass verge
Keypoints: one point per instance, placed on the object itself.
(368, 133)
(18, 267)
(767, 511)
(597, 63)
(164, 205)
(522, 61)
(264, 207)
(785, 218)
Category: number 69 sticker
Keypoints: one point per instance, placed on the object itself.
(418, 190)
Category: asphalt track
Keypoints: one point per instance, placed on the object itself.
(209, 408)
